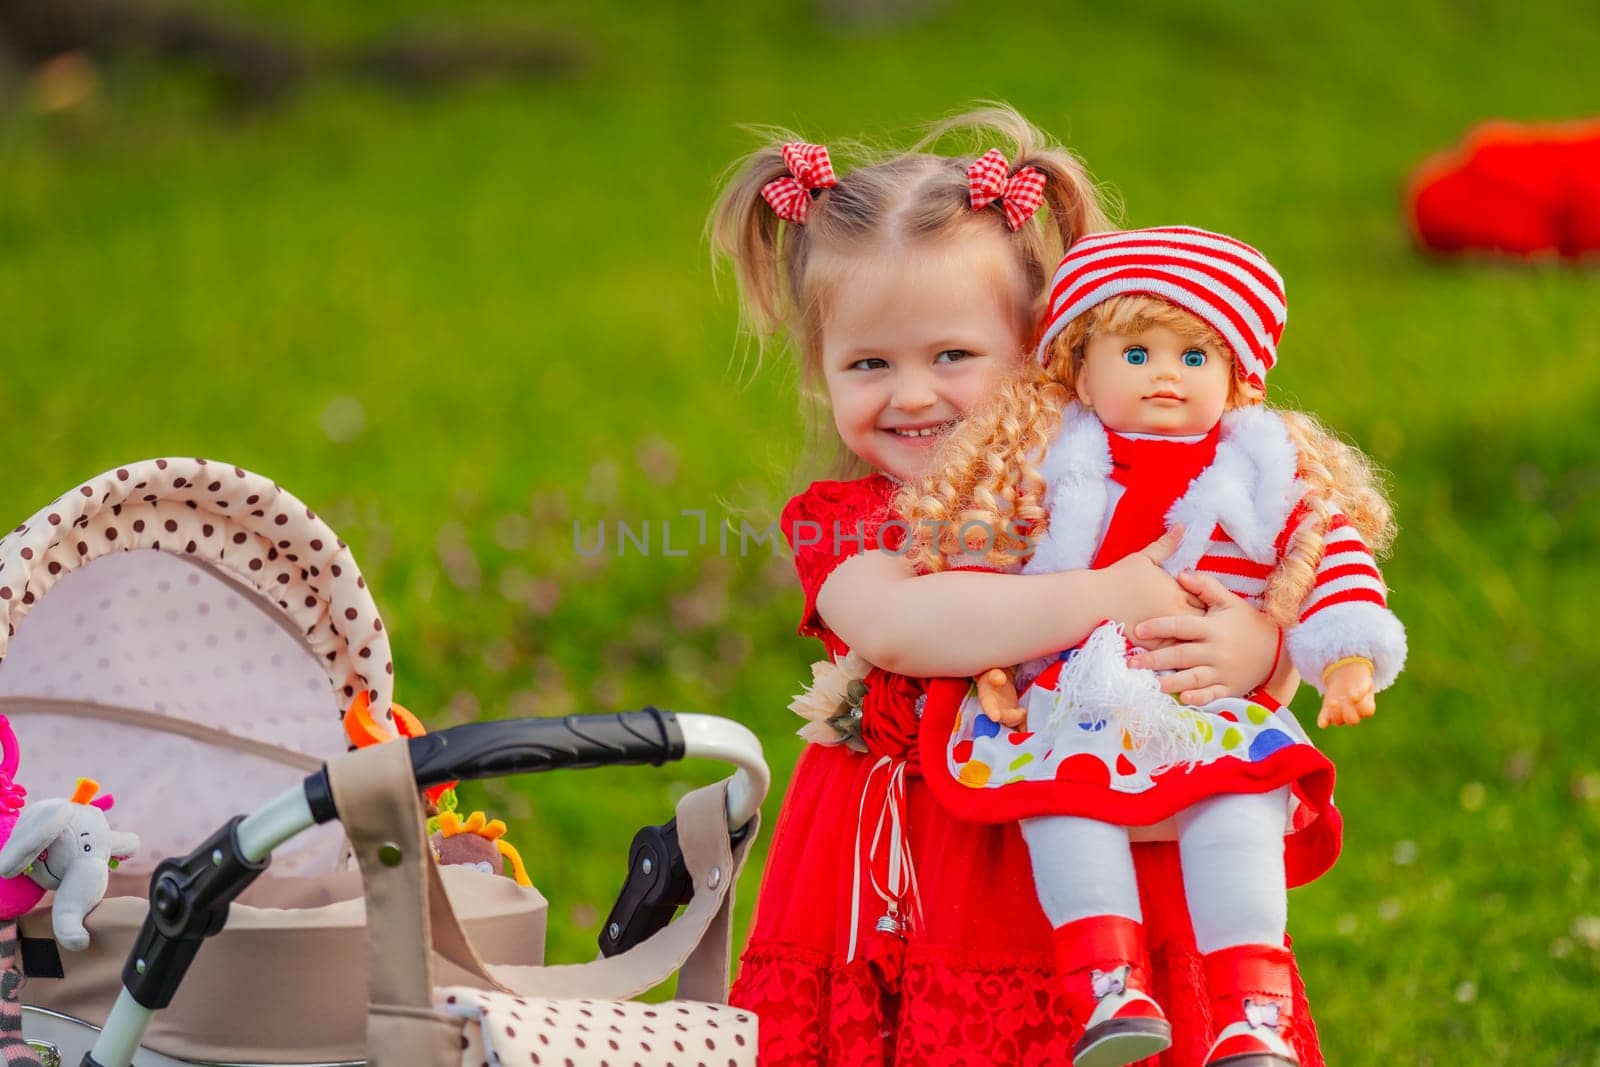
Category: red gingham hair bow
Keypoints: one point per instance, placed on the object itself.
(809, 168)
(1020, 194)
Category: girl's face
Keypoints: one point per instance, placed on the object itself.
(1155, 382)
(915, 337)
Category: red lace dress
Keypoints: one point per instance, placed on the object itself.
(968, 983)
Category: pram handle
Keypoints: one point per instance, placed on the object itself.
(524, 746)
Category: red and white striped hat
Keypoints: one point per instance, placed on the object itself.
(1225, 283)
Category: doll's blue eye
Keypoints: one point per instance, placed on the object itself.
(1194, 357)
(1136, 356)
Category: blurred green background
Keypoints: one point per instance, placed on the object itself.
(440, 272)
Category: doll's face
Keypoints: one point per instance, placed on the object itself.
(1155, 382)
(913, 339)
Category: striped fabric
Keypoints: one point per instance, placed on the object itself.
(1226, 562)
(1223, 282)
(1347, 574)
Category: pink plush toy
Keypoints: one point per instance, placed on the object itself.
(60, 844)
(18, 894)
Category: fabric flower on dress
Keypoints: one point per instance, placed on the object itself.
(891, 716)
(831, 705)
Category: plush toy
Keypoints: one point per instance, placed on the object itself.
(476, 842)
(67, 845)
(61, 844)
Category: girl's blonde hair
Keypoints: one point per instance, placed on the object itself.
(907, 197)
(985, 478)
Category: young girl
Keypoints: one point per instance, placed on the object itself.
(909, 288)
(1156, 352)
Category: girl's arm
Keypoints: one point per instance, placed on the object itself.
(957, 623)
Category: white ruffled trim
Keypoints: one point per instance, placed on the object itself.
(1097, 684)
(1353, 629)
(1075, 469)
(1250, 490)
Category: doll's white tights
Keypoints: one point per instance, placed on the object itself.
(1233, 873)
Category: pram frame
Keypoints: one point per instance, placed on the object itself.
(473, 751)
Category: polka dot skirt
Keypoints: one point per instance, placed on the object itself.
(504, 1029)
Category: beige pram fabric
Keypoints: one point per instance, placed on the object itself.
(189, 634)
(516, 1011)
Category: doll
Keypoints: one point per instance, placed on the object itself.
(1156, 350)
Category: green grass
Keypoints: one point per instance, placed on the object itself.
(507, 282)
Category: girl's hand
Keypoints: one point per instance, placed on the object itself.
(1140, 589)
(997, 694)
(1349, 697)
(1228, 651)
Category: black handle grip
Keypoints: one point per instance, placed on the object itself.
(526, 746)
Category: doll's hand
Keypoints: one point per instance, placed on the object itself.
(1227, 652)
(1138, 589)
(997, 694)
(1348, 698)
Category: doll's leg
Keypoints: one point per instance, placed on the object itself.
(1083, 873)
(1081, 868)
(1232, 849)
(1233, 875)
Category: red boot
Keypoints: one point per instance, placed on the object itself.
(1103, 959)
(1252, 1001)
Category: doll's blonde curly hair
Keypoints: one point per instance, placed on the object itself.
(985, 479)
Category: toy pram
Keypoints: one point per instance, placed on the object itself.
(202, 634)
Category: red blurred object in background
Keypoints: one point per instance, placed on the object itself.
(1531, 191)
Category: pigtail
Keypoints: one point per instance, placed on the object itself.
(1338, 477)
(746, 231)
(1075, 201)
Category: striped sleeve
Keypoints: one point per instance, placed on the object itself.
(1347, 574)
(1347, 612)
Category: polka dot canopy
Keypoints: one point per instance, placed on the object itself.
(187, 633)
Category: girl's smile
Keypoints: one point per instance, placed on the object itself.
(928, 432)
